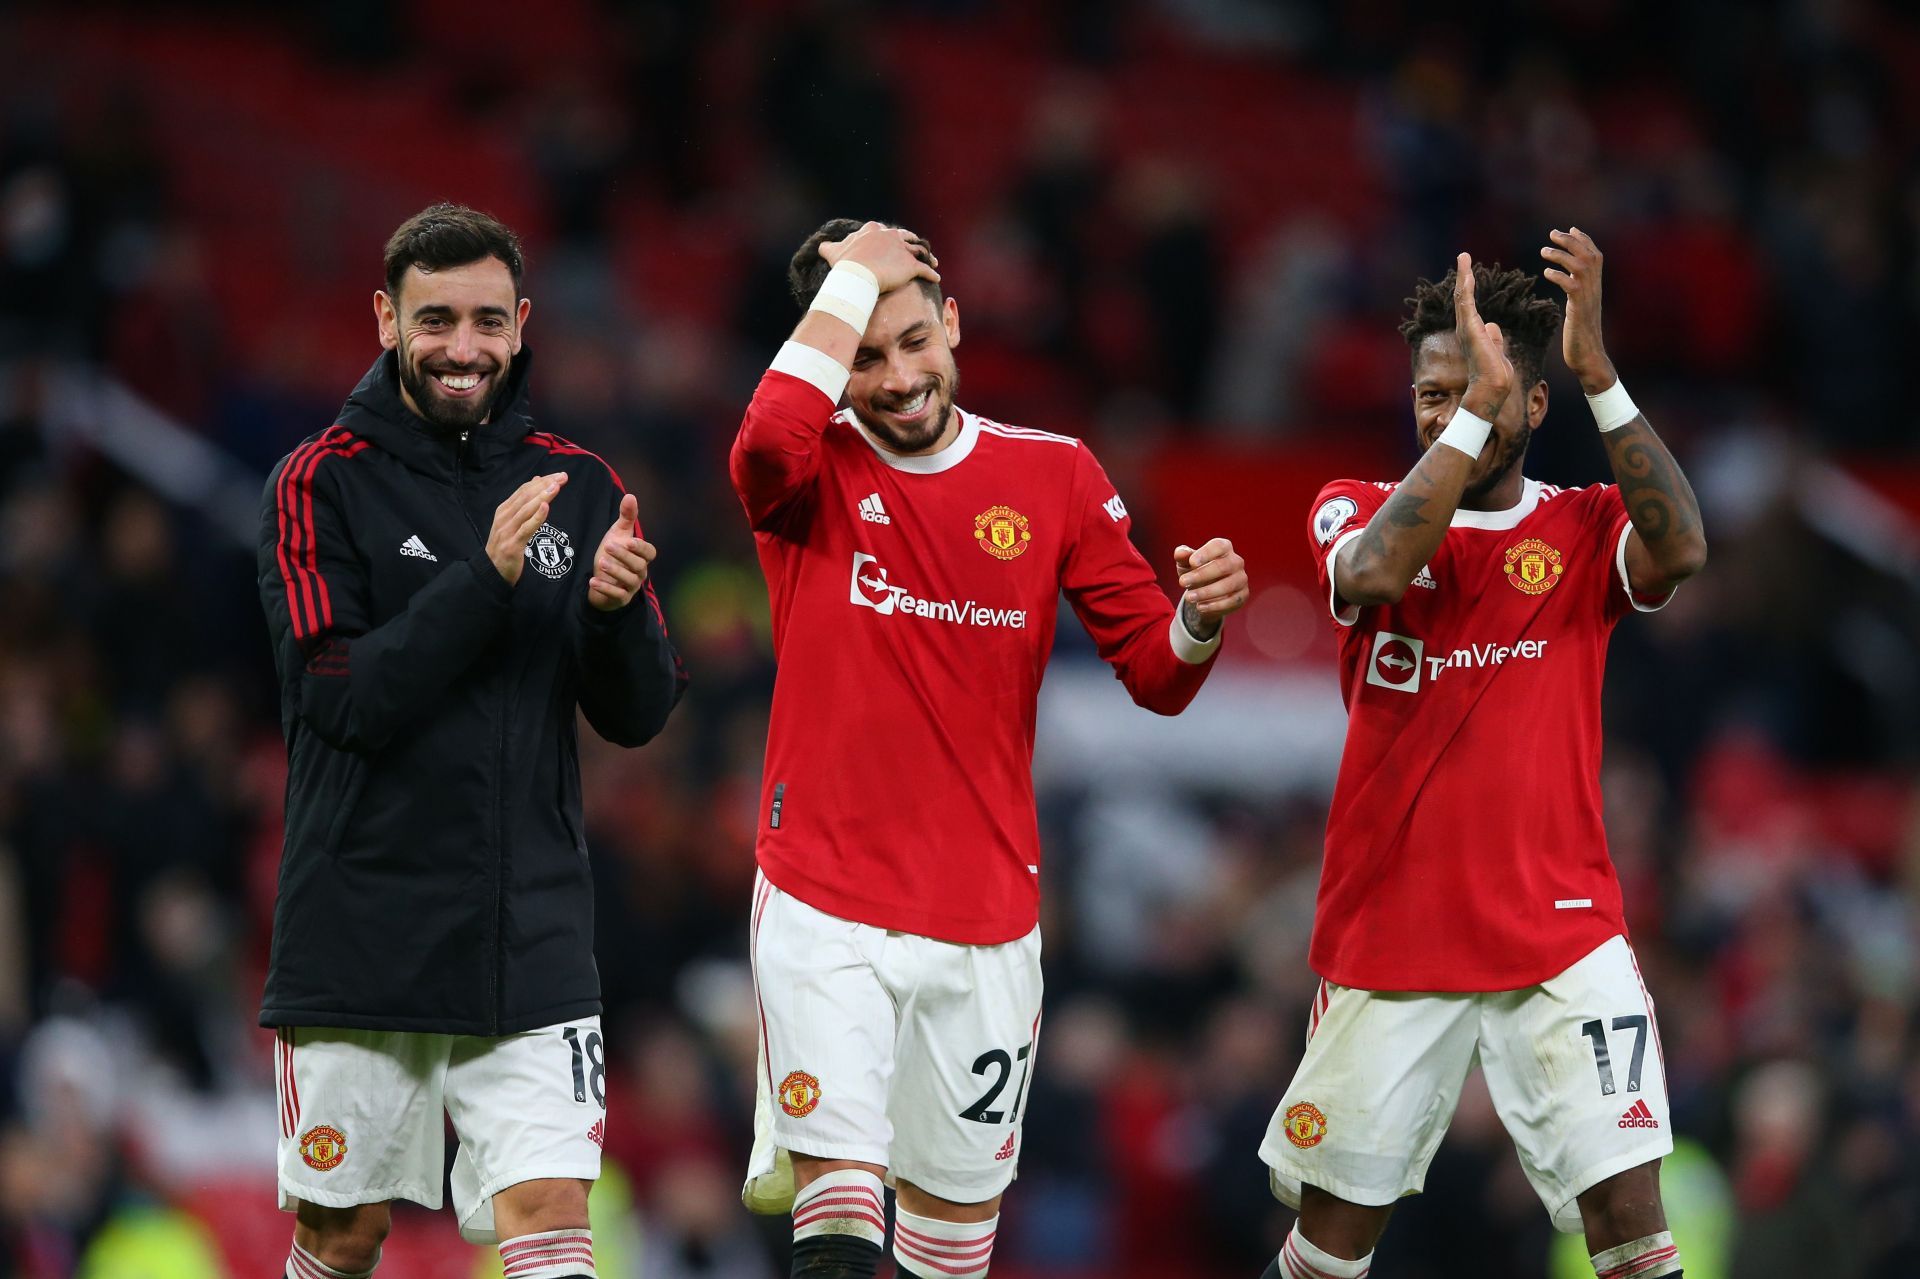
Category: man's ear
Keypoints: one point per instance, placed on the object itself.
(387, 320)
(1537, 404)
(950, 319)
(520, 323)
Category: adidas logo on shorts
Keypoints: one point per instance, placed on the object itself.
(598, 1133)
(1006, 1151)
(1638, 1116)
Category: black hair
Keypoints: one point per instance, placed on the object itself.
(449, 235)
(808, 270)
(1506, 298)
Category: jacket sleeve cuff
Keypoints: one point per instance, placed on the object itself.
(495, 587)
(607, 619)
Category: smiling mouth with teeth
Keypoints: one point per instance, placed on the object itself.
(458, 381)
(908, 408)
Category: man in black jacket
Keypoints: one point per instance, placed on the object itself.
(435, 622)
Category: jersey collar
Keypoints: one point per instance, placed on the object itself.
(1509, 518)
(927, 463)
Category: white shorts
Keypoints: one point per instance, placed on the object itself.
(1573, 1066)
(888, 1048)
(363, 1114)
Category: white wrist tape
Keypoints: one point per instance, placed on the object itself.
(1467, 432)
(1613, 408)
(848, 293)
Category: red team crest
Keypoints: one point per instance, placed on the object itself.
(1533, 567)
(323, 1148)
(1306, 1125)
(1002, 532)
(799, 1094)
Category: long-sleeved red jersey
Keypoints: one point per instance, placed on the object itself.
(913, 610)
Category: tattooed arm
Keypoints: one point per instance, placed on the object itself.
(1378, 566)
(1668, 544)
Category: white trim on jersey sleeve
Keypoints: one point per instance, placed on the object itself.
(1351, 614)
(1188, 649)
(1626, 581)
(812, 366)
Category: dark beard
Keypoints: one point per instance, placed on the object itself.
(935, 428)
(445, 414)
(936, 425)
(1515, 454)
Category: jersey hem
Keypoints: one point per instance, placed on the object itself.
(317, 1018)
(895, 918)
(1490, 984)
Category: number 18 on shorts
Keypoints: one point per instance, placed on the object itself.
(363, 1114)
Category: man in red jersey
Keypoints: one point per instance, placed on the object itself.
(1467, 903)
(915, 554)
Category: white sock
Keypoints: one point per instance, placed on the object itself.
(553, 1254)
(933, 1249)
(846, 1201)
(1646, 1258)
(302, 1264)
(1301, 1259)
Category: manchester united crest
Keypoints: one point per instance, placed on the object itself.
(799, 1094)
(1306, 1126)
(1533, 567)
(550, 552)
(1002, 532)
(323, 1147)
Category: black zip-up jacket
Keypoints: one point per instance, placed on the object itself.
(434, 875)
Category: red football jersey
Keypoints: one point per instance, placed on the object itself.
(1465, 850)
(914, 601)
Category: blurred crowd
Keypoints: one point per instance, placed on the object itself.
(1171, 224)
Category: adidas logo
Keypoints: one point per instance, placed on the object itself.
(598, 1133)
(1006, 1151)
(872, 511)
(1638, 1116)
(1425, 578)
(418, 549)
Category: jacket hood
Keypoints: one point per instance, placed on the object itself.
(376, 411)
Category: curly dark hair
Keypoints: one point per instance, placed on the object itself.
(1503, 297)
(808, 270)
(442, 236)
